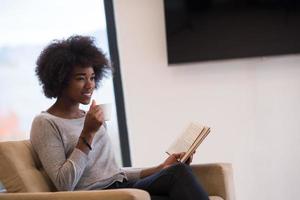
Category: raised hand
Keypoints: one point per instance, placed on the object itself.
(93, 120)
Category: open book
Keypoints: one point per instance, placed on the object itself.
(189, 140)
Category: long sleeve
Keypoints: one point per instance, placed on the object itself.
(132, 174)
(64, 171)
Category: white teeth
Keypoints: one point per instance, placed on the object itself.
(87, 94)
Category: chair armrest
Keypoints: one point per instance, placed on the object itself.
(120, 194)
(216, 178)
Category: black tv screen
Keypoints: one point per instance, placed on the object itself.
(201, 30)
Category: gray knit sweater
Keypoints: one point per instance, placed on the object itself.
(54, 140)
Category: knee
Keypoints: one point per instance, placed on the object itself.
(181, 168)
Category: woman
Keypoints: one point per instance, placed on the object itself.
(73, 145)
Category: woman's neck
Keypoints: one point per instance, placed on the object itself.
(66, 110)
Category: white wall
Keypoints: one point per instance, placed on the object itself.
(252, 106)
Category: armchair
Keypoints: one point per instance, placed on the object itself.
(24, 178)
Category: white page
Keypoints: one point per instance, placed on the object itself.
(187, 138)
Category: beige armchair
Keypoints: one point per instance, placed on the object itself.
(24, 178)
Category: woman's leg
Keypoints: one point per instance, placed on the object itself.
(126, 184)
(177, 182)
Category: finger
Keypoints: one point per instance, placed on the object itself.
(94, 110)
(99, 115)
(181, 155)
(174, 158)
(93, 104)
(178, 155)
(175, 155)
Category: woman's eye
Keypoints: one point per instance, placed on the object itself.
(80, 78)
(92, 78)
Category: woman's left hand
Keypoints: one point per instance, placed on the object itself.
(189, 160)
(172, 159)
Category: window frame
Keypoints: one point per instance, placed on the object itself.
(117, 82)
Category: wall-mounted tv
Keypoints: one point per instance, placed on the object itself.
(201, 30)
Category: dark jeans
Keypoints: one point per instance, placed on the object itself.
(176, 182)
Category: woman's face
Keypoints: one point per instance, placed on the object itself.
(81, 85)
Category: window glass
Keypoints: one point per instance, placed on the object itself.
(26, 28)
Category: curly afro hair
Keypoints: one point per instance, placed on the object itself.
(57, 60)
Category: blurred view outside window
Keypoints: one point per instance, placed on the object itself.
(26, 27)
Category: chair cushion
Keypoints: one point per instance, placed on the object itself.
(166, 198)
(21, 170)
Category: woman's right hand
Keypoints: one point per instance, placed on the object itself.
(93, 120)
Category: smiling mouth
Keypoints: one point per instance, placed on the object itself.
(87, 94)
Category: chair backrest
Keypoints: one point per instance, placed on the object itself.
(21, 170)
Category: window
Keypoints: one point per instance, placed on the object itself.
(26, 28)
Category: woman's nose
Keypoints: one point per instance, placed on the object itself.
(89, 84)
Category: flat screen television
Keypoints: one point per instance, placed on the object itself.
(201, 30)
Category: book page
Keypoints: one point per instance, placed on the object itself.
(205, 131)
(186, 140)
